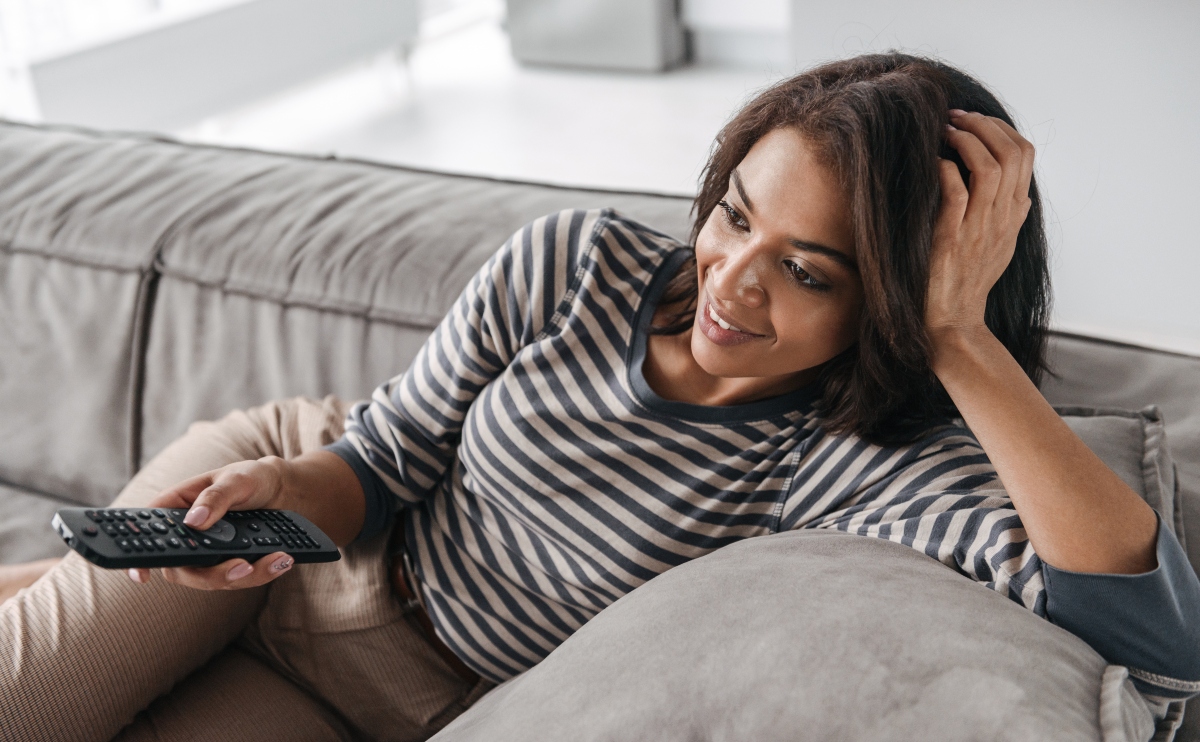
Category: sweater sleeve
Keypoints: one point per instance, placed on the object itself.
(401, 442)
(1148, 622)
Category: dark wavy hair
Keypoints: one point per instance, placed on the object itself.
(878, 122)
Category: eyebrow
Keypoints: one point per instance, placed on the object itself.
(737, 183)
(836, 255)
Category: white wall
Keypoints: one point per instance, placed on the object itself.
(740, 33)
(1109, 91)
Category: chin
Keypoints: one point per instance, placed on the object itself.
(733, 362)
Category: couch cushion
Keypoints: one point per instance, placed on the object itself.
(1091, 372)
(1134, 445)
(101, 200)
(25, 532)
(212, 351)
(66, 366)
(813, 635)
(82, 217)
(323, 278)
(389, 244)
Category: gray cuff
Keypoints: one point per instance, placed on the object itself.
(379, 500)
(1148, 622)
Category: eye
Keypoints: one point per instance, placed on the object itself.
(733, 217)
(803, 277)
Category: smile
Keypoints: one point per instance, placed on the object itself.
(716, 318)
(719, 331)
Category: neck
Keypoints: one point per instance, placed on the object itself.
(673, 373)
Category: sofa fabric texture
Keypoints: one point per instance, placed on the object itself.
(146, 284)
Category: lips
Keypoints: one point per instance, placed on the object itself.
(719, 330)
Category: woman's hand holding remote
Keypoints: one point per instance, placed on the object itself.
(318, 485)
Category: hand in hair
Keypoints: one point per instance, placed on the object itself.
(1078, 514)
(976, 229)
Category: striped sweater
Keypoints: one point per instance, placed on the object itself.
(540, 478)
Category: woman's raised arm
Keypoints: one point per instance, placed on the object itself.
(1114, 575)
(1078, 514)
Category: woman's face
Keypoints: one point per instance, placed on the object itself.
(780, 292)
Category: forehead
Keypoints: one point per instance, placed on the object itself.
(792, 190)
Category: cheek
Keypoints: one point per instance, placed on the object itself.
(819, 328)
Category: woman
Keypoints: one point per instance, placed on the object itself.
(603, 403)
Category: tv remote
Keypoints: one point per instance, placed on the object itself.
(120, 538)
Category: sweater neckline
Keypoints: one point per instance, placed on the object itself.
(798, 400)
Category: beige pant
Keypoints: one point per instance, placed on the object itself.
(325, 652)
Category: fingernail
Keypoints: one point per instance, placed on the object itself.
(135, 575)
(957, 112)
(282, 564)
(239, 571)
(950, 128)
(196, 516)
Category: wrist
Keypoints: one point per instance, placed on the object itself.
(949, 344)
(281, 473)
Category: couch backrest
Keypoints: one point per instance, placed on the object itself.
(147, 284)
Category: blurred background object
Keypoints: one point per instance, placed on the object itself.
(158, 66)
(637, 35)
(1109, 93)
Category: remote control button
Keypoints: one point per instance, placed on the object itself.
(136, 545)
(312, 544)
(124, 544)
(181, 532)
(122, 529)
(158, 527)
(90, 514)
(273, 527)
(134, 527)
(158, 513)
(191, 544)
(90, 531)
(144, 514)
(286, 517)
(170, 522)
(241, 543)
(110, 530)
(160, 544)
(174, 543)
(222, 531)
(253, 527)
(206, 541)
(148, 543)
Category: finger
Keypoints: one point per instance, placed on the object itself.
(954, 192)
(985, 171)
(141, 576)
(1028, 153)
(227, 489)
(1002, 147)
(183, 494)
(234, 574)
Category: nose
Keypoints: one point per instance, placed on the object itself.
(736, 275)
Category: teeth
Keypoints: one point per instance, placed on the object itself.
(712, 314)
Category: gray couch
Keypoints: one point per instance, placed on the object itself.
(145, 284)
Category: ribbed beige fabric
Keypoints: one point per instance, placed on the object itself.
(322, 653)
